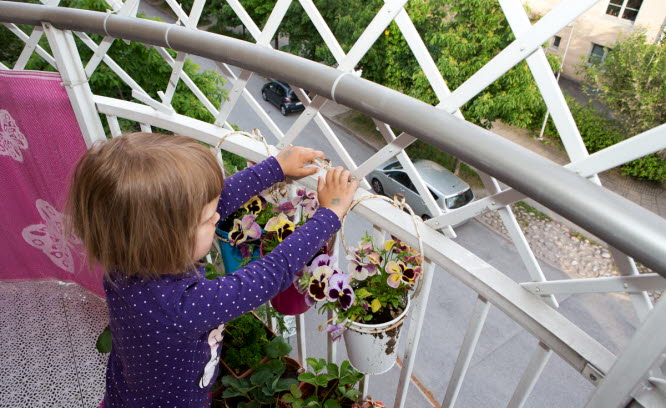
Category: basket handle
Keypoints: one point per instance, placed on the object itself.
(399, 202)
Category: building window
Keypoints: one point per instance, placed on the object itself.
(555, 42)
(626, 9)
(598, 54)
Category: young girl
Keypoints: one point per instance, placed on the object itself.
(145, 205)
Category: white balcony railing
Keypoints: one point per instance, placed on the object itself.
(573, 191)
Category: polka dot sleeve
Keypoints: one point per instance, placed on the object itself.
(208, 303)
(247, 183)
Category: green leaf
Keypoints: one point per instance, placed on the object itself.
(375, 305)
(288, 398)
(316, 364)
(333, 369)
(331, 404)
(307, 378)
(295, 391)
(277, 348)
(362, 293)
(322, 379)
(104, 341)
(261, 377)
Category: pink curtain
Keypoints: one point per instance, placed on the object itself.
(40, 142)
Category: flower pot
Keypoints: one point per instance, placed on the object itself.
(290, 301)
(231, 255)
(223, 365)
(372, 348)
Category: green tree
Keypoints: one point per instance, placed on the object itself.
(143, 64)
(474, 32)
(631, 82)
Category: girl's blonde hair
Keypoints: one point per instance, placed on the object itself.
(136, 201)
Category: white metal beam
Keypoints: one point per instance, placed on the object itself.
(75, 81)
(630, 369)
(416, 319)
(609, 284)
(476, 322)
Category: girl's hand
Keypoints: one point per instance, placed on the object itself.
(337, 191)
(292, 160)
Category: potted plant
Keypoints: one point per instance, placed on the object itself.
(243, 345)
(264, 386)
(369, 403)
(239, 235)
(326, 386)
(371, 300)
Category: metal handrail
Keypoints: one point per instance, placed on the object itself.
(618, 221)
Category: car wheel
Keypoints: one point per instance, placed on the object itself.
(425, 217)
(377, 186)
(263, 95)
(283, 110)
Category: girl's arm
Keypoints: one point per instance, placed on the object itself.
(247, 183)
(204, 304)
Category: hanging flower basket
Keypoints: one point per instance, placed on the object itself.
(295, 300)
(372, 348)
(371, 300)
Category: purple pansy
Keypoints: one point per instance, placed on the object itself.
(336, 330)
(319, 282)
(244, 229)
(339, 289)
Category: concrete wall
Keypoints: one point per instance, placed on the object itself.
(595, 26)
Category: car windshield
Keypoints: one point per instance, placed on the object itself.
(459, 200)
(394, 166)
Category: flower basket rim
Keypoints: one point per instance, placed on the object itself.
(380, 327)
(399, 202)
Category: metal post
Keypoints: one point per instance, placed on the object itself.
(472, 334)
(538, 361)
(625, 376)
(557, 78)
(76, 83)
(419, 308)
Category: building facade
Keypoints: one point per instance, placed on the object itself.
(589, 38)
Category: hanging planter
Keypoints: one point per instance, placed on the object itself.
(371, 300)
(373, 348)
(295, 300)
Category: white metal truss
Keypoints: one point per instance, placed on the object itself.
(529, 303)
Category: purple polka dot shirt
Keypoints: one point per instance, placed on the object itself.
(167, 332)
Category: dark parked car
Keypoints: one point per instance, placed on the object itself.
(280, 94)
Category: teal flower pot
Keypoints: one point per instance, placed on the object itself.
(231, 255)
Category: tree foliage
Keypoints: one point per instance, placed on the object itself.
(142, 63)
(631, 82)
(461, 37)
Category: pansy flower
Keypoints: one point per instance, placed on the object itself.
(244, 229)
(339, 290)
(276, 193)
(375, 258)
(306, 199)
(281, 226)
(286, 208)
(336, 330)
(358, 269)
(254, 205)
(318, 285)
(399, 272)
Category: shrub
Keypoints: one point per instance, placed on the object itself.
(599, 132)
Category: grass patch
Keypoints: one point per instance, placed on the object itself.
(583, 238)
(361, 125)
(538, 214)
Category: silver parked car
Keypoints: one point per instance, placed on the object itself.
(449, 191)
